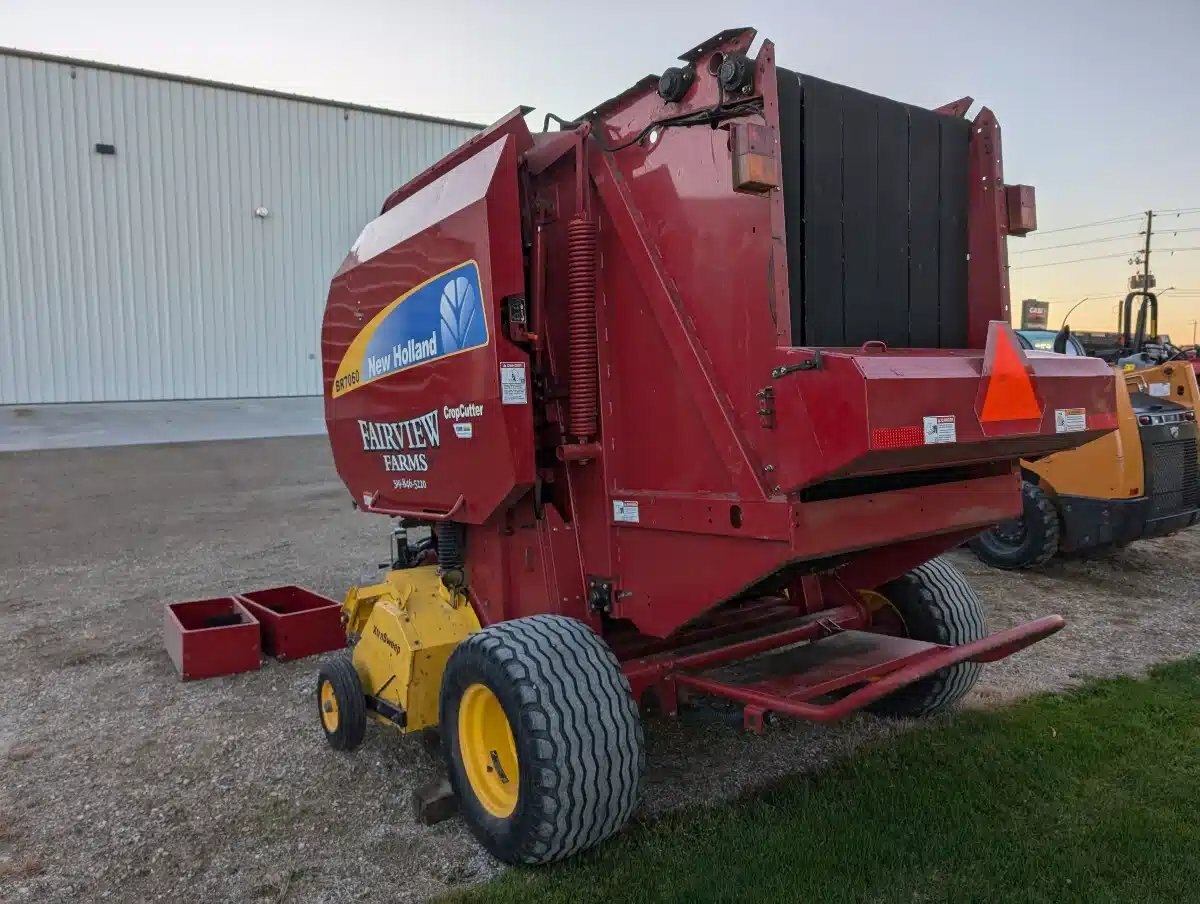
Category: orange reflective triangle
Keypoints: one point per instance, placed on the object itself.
(1010, 395)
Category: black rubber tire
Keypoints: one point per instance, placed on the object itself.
(1038, 545)
(937, 606)
(340, 674)
(578, 736)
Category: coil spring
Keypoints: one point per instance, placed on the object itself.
(451, 557)
(581, 328)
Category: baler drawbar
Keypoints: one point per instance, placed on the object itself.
(694, 393)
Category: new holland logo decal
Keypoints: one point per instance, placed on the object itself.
(441, 317)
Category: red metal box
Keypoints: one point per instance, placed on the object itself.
(207, 638)
(296, 622)
(1021, 206)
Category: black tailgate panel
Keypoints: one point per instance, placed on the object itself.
(875, 200)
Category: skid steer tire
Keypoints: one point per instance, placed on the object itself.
(1036, 536)
(937, 606)
(341, 705)
(541, 737)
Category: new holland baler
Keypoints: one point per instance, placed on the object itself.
(694, 391)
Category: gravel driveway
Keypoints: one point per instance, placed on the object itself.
(121, 783)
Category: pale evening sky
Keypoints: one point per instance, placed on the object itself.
(1099, 100)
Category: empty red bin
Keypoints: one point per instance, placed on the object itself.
(296, 622)
(207, 638)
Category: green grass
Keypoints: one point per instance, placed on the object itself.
(1089, 796)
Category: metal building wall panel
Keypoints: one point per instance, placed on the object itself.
(146, 274)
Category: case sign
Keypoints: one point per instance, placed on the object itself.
(1034, 314)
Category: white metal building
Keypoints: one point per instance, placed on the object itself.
(172, 238)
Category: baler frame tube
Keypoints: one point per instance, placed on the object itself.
(881, 679)
(642, 672)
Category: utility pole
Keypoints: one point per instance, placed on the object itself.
(1146, 254)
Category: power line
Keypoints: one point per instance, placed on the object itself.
(1174, 211)
(1170, 231)
(1108, 238)
(1100, 293)
(1077, 260)
(1100, 257)
(1135, 216)
(1075, 296)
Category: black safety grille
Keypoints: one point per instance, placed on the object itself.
(1172, 476)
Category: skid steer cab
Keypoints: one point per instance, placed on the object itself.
(688, 398)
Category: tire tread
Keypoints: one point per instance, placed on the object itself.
(589, 779)
(938, 606)
(1042, 540)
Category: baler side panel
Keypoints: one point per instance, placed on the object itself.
(412, 349)
(522, 564)
(665, 431)
(663, 571)
(713, 319)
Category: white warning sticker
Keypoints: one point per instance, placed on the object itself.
(1070, 420)
(625, 511)
(1160, 390)
(464, 430)
(513, 383)
(939, 428)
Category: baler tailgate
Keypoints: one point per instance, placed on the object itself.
(788, 682)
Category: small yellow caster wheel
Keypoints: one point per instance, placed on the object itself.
(341, 704)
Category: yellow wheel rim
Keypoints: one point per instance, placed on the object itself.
(329, 707)
(488, 751)
(877, 603)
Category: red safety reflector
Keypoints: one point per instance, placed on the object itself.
(896, 437)
(1010, 395)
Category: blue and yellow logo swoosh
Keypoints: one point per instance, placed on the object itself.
(443, 316)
